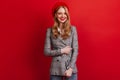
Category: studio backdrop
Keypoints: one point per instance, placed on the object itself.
(23, 25)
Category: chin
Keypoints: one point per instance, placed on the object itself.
(62, 21)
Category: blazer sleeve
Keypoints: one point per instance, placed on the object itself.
(74, 49)
(47, 47)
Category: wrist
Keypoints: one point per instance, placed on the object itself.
(62, 51)
(71, 69)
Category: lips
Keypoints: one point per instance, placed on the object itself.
(62, 19)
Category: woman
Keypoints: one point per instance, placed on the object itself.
(62, 45)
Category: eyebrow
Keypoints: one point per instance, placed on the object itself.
(61, 12)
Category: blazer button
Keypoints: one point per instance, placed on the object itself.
(57, 60)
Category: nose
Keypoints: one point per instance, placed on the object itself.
(63, 15)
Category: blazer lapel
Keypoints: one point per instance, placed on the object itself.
(61, 40)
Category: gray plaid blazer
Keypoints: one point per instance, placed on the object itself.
(61, 62)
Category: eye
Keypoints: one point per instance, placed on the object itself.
(59, 13)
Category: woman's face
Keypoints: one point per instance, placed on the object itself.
(61, 15)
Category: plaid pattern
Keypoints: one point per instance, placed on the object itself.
(61, 62)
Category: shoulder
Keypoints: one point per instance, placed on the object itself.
(73, 28)
(48, 30)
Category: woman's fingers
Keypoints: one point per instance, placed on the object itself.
(68, 73)
(66, 50)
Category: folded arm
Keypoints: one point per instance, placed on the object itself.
(47, 47)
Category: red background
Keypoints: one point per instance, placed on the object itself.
(23, 25)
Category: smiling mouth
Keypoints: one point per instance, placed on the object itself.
(62, 19)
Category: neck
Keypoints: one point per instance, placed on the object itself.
(61, 25)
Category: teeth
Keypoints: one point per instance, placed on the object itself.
(62, 18)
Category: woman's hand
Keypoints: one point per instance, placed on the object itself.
(68, 72)
(66, 50)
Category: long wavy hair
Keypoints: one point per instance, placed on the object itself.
(66, 25)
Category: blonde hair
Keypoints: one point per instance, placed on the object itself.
(66, 25)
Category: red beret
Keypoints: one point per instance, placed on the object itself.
(57, 5)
